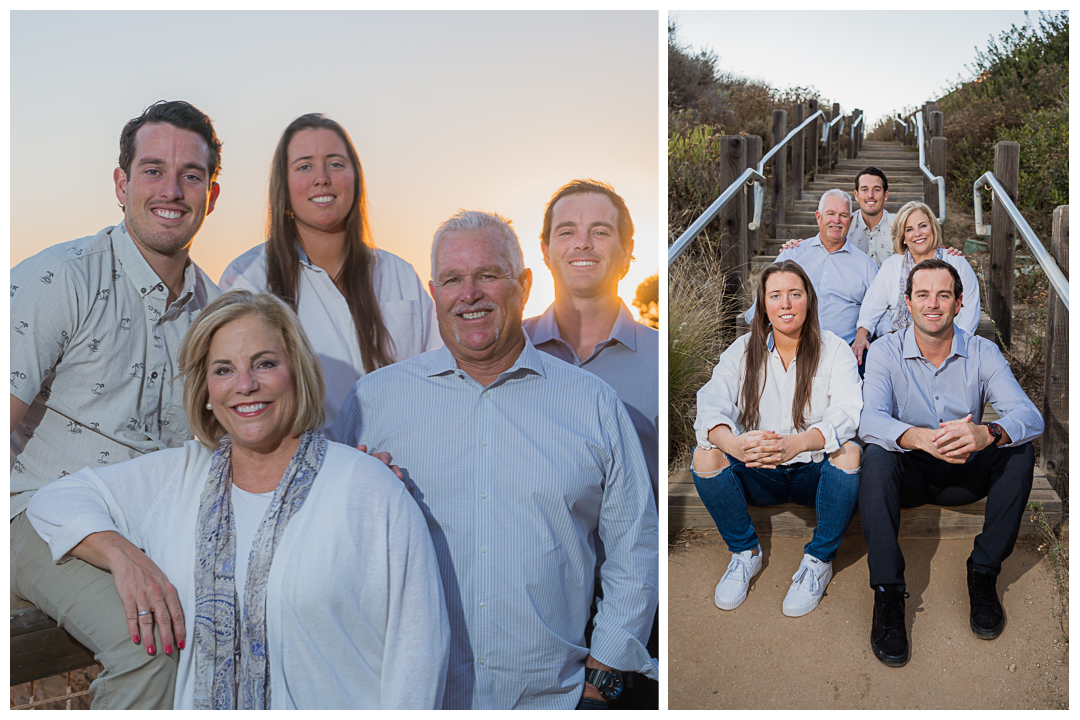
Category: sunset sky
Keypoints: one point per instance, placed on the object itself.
(476, 110)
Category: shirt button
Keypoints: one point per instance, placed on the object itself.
(483, 443)
(483, 661)
(483, 496)
(484, 395)
(483, 605)
(153, 375)
(483, 548)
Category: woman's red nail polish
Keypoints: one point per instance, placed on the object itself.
(180, 644)
(168, 649)
(149, 649)
(135, 639)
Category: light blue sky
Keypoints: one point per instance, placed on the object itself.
(880, 61)
(476, 110)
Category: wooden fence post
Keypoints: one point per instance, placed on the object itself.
(798, 153)
(933, 130)
(733, 257)
(1003, 240)
(779, 172)
(851, 133)
(753, 157)
(834, 139)
(813, 133)
(938, 147)
(1055, 438)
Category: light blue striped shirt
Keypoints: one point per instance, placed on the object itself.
(514, 479)
(840, 279)
(902, 389)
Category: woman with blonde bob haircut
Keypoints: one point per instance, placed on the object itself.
(300, 561)
(916, 236)
(775, 424)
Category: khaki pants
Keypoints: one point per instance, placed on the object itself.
(83, 600)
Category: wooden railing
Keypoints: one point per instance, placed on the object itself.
(1006, 227)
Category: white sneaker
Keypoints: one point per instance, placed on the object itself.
(807, 586)
(733, 587)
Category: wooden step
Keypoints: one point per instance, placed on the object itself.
(39, 648)
(685, 509)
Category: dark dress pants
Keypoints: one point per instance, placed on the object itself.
(894, 480)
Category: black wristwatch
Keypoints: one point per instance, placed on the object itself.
(995, 432)
(608, 682)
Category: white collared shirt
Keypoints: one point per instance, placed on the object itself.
(94, 343)
(835, 400)
(876, 242)
(407, 312)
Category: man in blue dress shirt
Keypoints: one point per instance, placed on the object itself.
(840, 272)
(517, 459)
(923, 398)
(588, 243)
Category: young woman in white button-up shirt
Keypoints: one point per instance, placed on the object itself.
(362, 307)
(774, 425)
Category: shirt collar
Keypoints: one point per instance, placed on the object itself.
(624, 330)
(860, 222)
(139, 272)
(909, 347)
(846, 247)
(442, 361)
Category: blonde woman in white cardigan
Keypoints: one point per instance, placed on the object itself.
(917, 236)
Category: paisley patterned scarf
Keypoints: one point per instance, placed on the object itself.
(902, 316)
(231, 663)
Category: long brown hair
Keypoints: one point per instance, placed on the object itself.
(354, 279)
(757, 350)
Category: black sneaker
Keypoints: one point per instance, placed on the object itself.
(987, 614)
(888, 635)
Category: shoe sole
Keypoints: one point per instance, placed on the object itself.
(892, 660)
(984, 634)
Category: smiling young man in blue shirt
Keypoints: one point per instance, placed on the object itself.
(923, 398)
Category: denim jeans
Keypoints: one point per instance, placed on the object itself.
(821, 485)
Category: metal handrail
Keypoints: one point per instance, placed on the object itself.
(757, 175)
(759, 189)
(935, 179)
(858, 121)
(1047, 263)
(706, 217)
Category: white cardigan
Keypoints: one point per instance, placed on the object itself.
(354, 605)
(407, 312)
(880, 302)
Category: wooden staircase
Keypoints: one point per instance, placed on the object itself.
(901, 167)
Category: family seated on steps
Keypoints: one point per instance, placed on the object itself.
(778, 419)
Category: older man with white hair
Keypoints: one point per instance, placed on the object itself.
(840, 272)
(516, 459)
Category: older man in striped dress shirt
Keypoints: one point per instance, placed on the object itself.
(516, 458)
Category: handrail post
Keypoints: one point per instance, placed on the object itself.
(753, 157)
(779, 172)
(1003, 240)
(733, 256)
(814, 132)
(798, 153)
(938, 148)
(834, 139)
(851, 140)
(933, 132)
(1055, 439)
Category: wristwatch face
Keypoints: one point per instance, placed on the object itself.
(608, 682)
